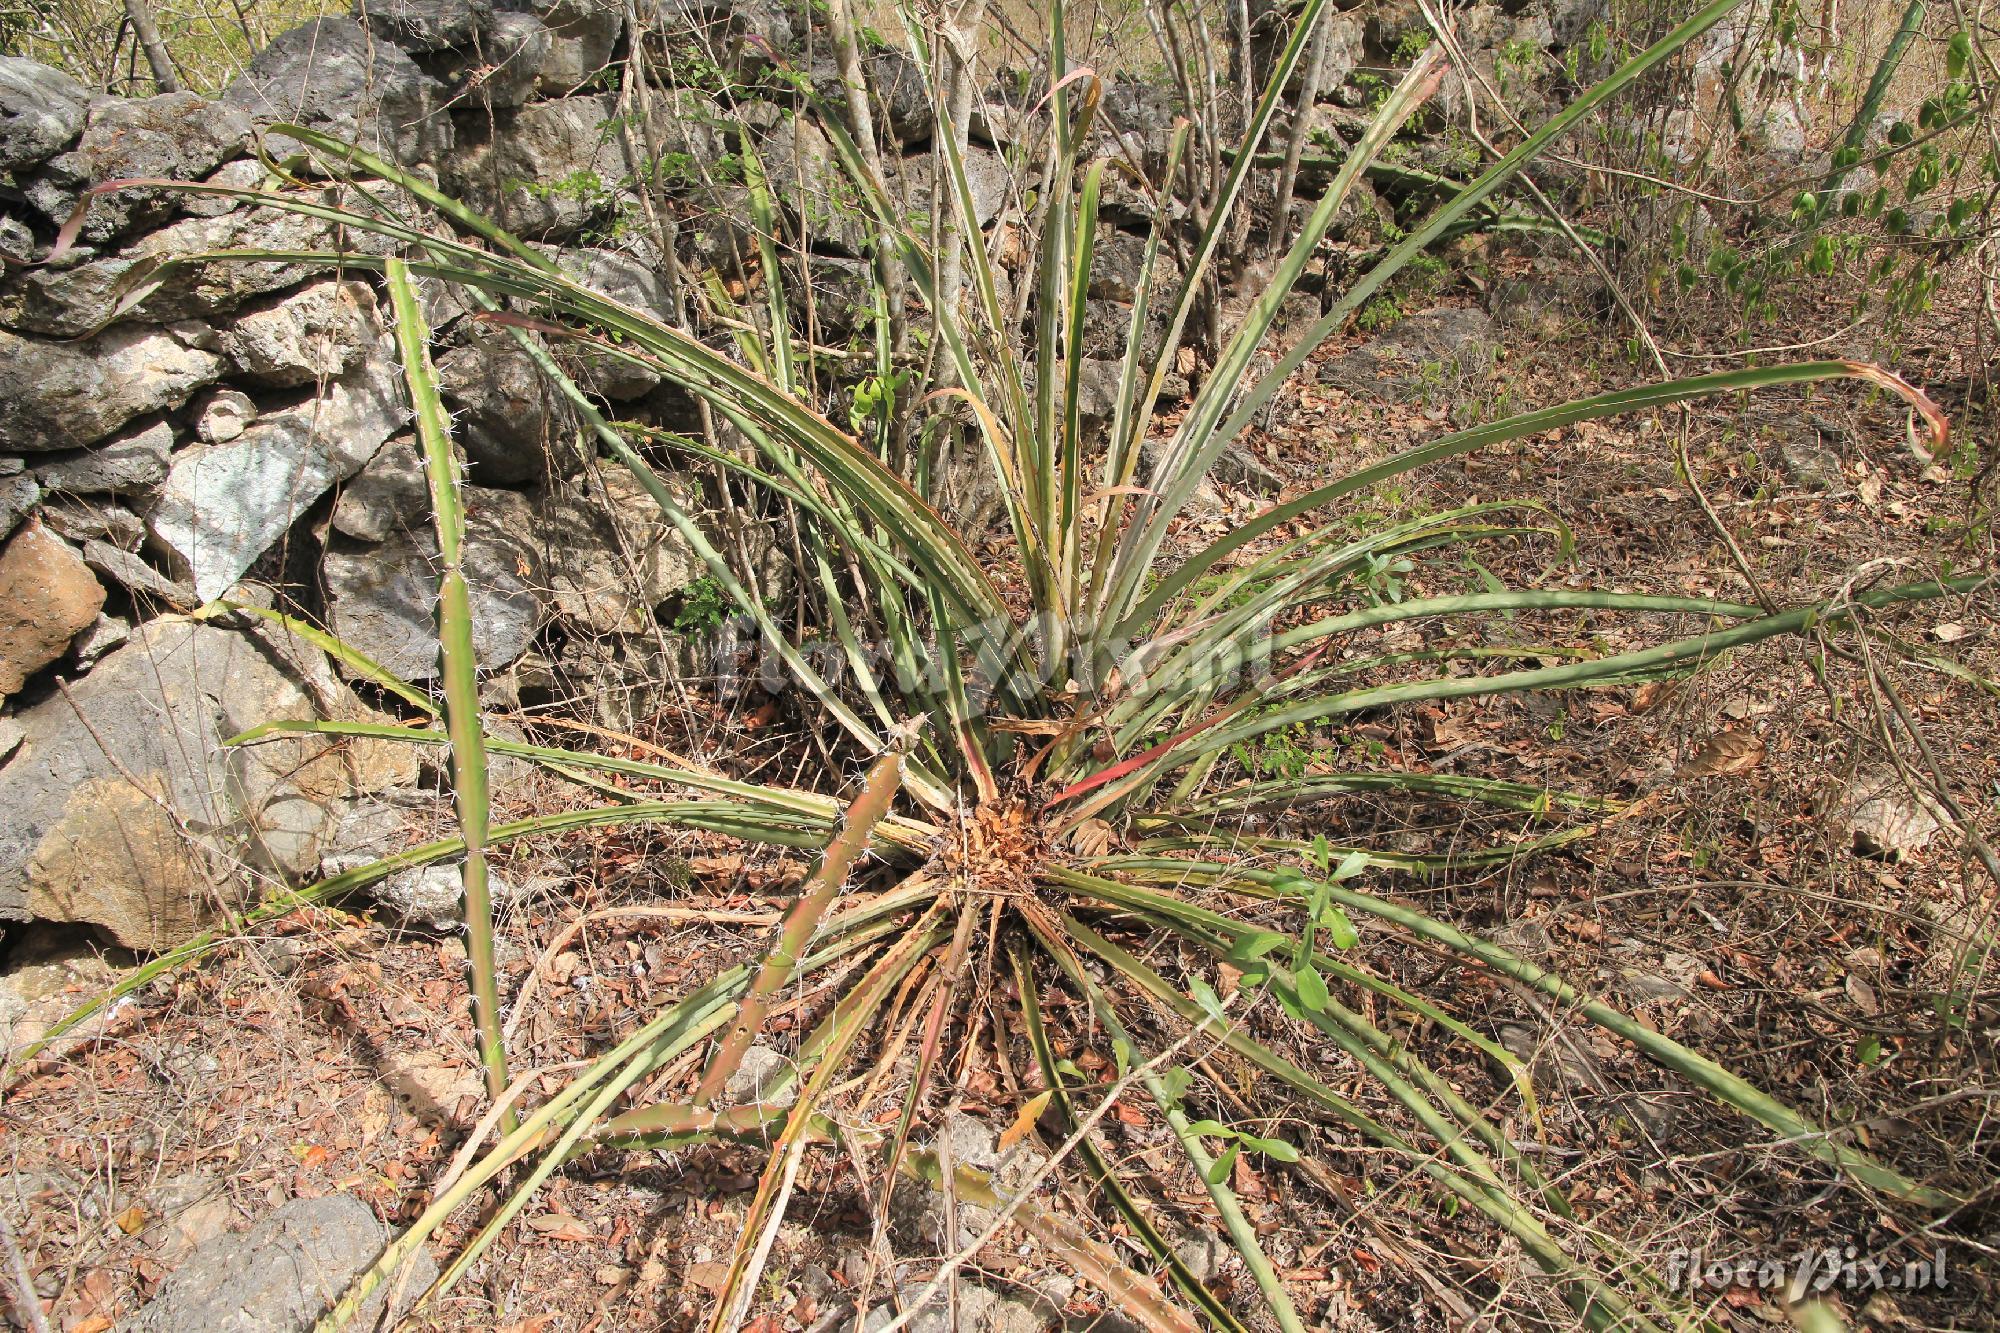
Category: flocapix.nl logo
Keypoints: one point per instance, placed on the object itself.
(1828, 1268)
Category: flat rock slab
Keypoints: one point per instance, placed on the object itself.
(382, 599)
(41, 111)
(282, 1274)
(224, 505)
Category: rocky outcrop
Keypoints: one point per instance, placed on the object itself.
(224, 505)
(333, 75)
(122, 807)
(381, 599)
(175, 136)
(41, 112)
(57, 395)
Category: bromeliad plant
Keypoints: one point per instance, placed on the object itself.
(1018, 721)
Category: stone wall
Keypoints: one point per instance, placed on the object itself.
(238, 430)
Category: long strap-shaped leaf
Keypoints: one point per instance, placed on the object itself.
(795, 933)
(458, 666)
(1195, 445)
(1644, 398)
(1643, 661)
(1241, 1233)
(1732, 1089)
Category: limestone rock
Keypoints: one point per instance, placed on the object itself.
(49, 972)
(427, 25)
(382, 599)
(47, 596)
(98, 638)
(313, 334)
(605, 532)
(581, 35)
(631, 280)
(514, 425)
(332, 75)
(174, 136)
(131, 464)
(67, 395)
(431, 897)
(504, 66)
(135, 821)
(71, 302)
(224, 415)
(902, 104)
(19, 494)
(281, 1275)
(389, 496)
(1440, 356)
(136, 576)
(41, 111)
(757, 1079)
(547, 170)
(85, 519)
(224, 505)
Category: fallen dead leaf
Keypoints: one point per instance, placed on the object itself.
(1652, 694)
(561, 1226)
(1725, 752)
(710, 1277)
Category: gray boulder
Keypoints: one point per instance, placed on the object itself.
(64, 395)
(114, 560)
(547, 171)
(382, 599)
(332, 75)
(282, 1274)
(388, 497)
(1441, 356)
(502, 69)
(41, 112)
(902, 106)
(174, 136)
(613, 557)
(631, 280)
(310, 335)
(580, 37)
(133, 820)
(1569, 20)
(19, 494)
(427, 25)
(132, 464)
(432, 897)
(514, 425)
(224, 505)
(85, 520)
